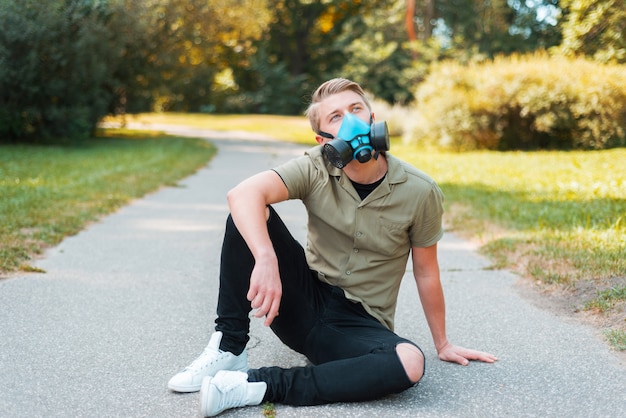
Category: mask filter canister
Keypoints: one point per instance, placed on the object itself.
(356, 140)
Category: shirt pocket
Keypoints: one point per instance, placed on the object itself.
(391, 238)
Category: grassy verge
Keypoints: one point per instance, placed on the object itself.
(556, 217)
(49, 192)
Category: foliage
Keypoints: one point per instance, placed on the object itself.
(297, 52)
(64, 64)
(303, 33)
(476, 29)
(270, 89)
(379, 55)
(594, 28)
(49, 192)
(380, 58)
(307, 42)
(55, 67)
(188, 43)
(524, 102)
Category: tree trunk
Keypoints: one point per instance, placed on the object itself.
(408, 19)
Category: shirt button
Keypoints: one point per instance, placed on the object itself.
(356, 250)
(348, 272)
(358, 234)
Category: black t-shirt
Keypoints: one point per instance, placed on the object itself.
(365, 189)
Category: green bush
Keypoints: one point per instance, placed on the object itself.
(57, 60)
(523, 102)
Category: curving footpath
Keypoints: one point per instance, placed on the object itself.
(129, 301)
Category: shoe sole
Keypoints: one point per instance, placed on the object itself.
(184, 389)
(206, 382)
(196, 388)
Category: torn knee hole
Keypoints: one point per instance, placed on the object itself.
(412, 360)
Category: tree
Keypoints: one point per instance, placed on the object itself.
(486, 27)
(594, 28)
(186, 44)
(379, 56)
(56, 66)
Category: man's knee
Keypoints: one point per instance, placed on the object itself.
(412, 360)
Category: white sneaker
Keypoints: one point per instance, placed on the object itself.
(227, 390)
(211, 361)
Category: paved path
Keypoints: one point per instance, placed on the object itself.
(130, 300)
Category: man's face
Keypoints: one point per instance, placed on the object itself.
(333, 108)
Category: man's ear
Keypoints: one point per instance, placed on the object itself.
(320, 139)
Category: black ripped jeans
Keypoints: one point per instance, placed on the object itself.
(353, 354)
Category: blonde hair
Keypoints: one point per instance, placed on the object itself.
(328, 88)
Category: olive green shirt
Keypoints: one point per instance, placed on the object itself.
(359, 245)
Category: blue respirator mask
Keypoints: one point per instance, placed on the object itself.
(356, 140)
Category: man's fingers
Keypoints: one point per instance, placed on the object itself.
(265, 306)
(463, 356)
(252, 293)
(479, 355)
(273, 312)
(486, 357)
(460, 360)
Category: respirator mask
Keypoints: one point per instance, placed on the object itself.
(356, 140)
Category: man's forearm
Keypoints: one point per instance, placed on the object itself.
(426, 273)
(248, 206)
(249, 215)
(433, 303)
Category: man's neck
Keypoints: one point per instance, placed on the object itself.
(367, 173)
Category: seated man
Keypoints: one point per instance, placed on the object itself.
(367, 212)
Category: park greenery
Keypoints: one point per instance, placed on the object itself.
(483, 95)
(523, 102)
(64, 64)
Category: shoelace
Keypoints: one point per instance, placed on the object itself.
(201, 361)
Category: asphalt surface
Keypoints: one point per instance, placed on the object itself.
(131, 300)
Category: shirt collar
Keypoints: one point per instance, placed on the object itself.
(395, 171)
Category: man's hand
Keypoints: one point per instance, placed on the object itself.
(463, 356)
(265, 290)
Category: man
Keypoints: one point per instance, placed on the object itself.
(337, 299)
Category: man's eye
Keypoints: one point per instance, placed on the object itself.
(356, 109)
(335, 117)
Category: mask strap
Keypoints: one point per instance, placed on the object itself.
(325, 135)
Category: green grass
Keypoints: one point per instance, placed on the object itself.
(607, 299)
(563, 214)
(617, 339)
(286, 128)
(49, 192)
(269, 410)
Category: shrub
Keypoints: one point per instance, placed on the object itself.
(524, 102)
(395, 115)
(56, 65)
